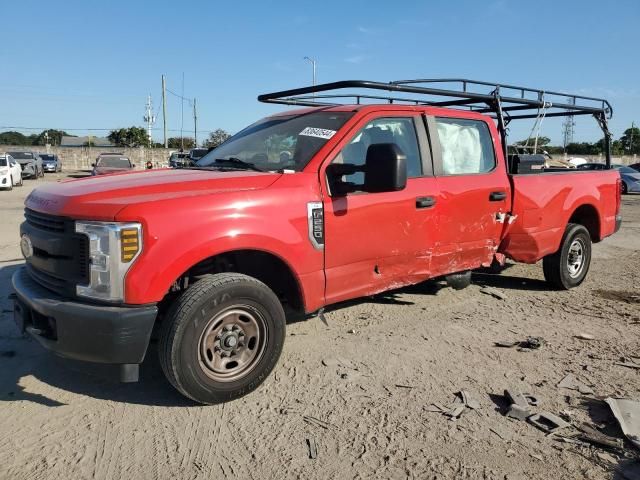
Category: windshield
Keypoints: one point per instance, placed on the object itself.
(47, 157)
(22, 155)
(114, 162)
(3, 161)
(275, 143)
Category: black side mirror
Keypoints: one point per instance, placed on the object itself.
(385, 168)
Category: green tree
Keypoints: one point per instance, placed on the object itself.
(216, 138)
(176, 142)
(14, 138)
(630, 140)
(55, 137)
(129, 137)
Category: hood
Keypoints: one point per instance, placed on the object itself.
(102, 197)
(26, 161)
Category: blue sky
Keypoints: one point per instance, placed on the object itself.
(83, 65)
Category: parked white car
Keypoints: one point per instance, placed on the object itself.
(10, 172)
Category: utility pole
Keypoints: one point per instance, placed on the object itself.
(149, 118)
(182, 115)
(164, 110)
(313, 63)
(195, 124)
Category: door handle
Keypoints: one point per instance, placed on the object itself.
(497, 196)
(425, 202)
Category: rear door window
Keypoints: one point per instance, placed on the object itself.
(466, 146)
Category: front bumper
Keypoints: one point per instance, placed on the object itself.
(29, 171)
(50, 167)
(82, 331)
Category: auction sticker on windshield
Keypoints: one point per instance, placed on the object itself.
(318, 132)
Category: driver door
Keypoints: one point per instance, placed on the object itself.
(379, 241)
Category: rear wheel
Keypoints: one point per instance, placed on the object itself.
(222, 338)
(624, 188)
(568, 267)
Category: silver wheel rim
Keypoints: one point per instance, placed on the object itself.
(232, 343)
(575, 257)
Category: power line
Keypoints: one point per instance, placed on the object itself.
(40, 129)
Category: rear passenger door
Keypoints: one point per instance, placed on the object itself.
(474, 192)
(378, 241)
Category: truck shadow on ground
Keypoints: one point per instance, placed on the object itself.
(22, 357)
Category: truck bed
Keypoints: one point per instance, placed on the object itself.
(544, 203)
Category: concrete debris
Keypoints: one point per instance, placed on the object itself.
(627, 413)
(591, 435)
(351, 331)
(494, 293)
(462, 401)
(572, 383)
(519, 404)
(629, 365)
(316, 422)
(585, 336)
(313, 448)
(547, 422)
(531, 343)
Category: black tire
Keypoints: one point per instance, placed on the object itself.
(624, 188)
(459, 280)
(21, 180)
(190, 322)
(556, 267)
(10, 187)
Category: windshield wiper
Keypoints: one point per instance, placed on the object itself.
(237, 163)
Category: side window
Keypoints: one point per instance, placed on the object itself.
(466, 146)
(400, 131)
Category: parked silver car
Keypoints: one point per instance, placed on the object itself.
(30, 162)
(51, 162)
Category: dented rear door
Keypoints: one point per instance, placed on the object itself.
(474, 191)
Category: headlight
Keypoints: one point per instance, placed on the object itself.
(113, 247)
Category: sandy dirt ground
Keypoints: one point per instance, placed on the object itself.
(361, 389)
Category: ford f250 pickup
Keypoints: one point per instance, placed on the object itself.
(306, 208)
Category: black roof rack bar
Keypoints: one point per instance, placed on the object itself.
(292, 97)
(466, 82)
(552, 114)
(493, 102)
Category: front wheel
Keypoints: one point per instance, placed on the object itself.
(222, 338)
(624, 188)
(568, 267)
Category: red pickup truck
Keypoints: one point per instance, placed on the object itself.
(298, 211)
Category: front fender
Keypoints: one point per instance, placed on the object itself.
(261, 221)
